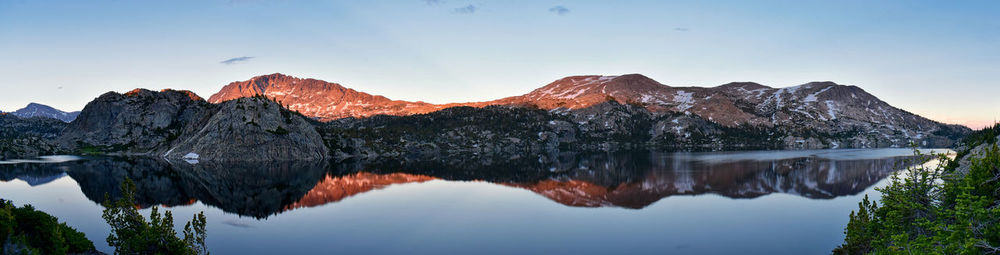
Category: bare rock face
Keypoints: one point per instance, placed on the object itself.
(137, 122)
(180, 125)
(251, 129)
(972, 151)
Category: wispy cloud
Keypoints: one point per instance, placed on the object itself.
(236, 60)
(468, 9)
(681, 29)
(559, 9)
(432, 2)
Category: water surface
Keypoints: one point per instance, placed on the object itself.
(769, 202)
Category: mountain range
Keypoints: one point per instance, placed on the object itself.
(610, 112)
(278, 116)
(730, 104)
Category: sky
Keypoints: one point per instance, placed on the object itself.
(938, 59)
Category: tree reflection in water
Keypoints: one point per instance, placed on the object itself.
(629, 180)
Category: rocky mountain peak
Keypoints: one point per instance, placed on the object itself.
(188, 93)
(135, 92)
(316, 98)
(577, 92)
(635, 78)
(822, 83)
(145, 94)
(41, 110)
(742, 86)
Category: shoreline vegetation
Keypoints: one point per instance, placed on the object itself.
(951, 207)
(24, 230)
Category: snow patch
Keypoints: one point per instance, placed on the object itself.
(191, 158)
(576, 87)
(684, 100)
(812, 97)
(777, 96)
(831, 109)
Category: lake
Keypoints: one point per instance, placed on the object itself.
(762, 202)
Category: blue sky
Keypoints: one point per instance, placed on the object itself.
(935, 58)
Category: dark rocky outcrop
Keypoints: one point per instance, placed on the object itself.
(137, 122)
(250, 129)
(510, 132)
(28, 137)
(489, 133)
(180, 125)
(969, 150)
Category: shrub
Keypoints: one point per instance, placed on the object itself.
(132, 234)
(26, 230)
(931, 210)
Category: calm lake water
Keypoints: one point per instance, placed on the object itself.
(772, 202)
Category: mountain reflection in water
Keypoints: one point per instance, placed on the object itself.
(628, 180)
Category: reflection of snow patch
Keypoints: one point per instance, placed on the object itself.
(684, 183)
(42, 159)
(831, 174)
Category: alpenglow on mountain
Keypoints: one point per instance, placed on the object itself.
(41, 110)
(825, 106)
(274, 117)
(319, 99)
